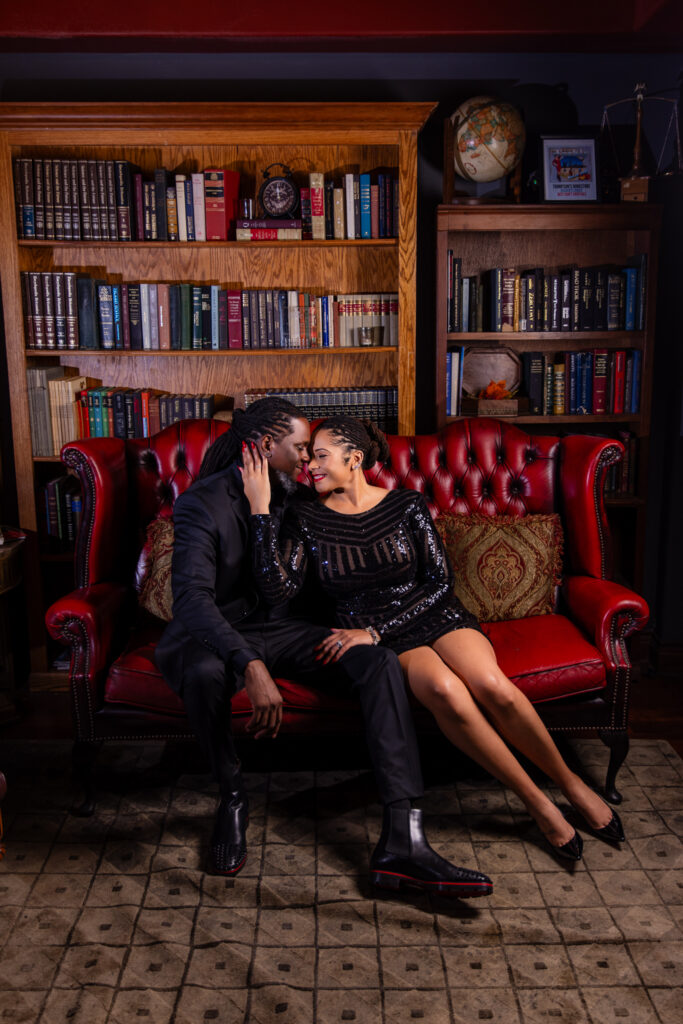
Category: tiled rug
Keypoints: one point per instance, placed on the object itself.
(112, 919)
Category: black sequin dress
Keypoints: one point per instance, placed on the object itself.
(386, 567)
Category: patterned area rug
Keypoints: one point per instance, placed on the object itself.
(112, 919)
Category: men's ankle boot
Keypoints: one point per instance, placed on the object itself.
(404, 857)
(228, 847)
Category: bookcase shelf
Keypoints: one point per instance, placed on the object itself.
(312, 243)
(554, 236)
(81, 353)
(334, 138)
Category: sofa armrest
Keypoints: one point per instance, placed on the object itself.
(100, 464)
(607, 612)
(93, 622)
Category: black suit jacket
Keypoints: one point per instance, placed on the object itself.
(212, 579)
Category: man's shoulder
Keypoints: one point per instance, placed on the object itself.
(207, 490)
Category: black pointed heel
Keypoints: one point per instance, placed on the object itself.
(571, 850)
(612, 832)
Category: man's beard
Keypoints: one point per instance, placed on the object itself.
(282, 483)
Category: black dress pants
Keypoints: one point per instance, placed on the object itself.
(286, 646)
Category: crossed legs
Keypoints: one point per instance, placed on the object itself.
(474, 703)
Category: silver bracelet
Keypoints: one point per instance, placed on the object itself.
(374, 635)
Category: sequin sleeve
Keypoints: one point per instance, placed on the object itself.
(279, 561)
(434, 574)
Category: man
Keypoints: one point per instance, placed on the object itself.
(223, 639)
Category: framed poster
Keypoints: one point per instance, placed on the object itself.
(570, 170)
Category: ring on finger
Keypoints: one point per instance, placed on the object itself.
(339, 645)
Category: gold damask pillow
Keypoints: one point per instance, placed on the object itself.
(153, 575)
(505, 567)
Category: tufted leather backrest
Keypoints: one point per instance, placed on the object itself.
(475, 465)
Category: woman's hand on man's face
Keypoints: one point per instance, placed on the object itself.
(255, 478)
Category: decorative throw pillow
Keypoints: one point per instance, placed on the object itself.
(505, 567)
(153, 575)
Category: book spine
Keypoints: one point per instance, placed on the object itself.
(125, 319)
(268, 234)
(110, 184)
(558, 389)
(180, 207)
(600, 299)
(214, 204)
(189, 211)
(234, 315)
(60, 309)
(103, 204)
(171, 214)
(48, 192)
(164, 316)
(196, 317)
(206, 317)
(160, 205)
(619, 381)
(123, 199)
(316, 181)
(93, 194)
(105, 310)
(58, 200)
(48, 310)
(39, 197)
(223, 340)
(215, 317)
(507, 299)
(153, 317)
(365, 211)
(88, 333)
(71, 310)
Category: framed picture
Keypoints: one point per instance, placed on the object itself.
(570, 169)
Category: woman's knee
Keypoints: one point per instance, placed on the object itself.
(494, 690)
(443, 693)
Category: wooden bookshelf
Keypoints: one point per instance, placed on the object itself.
(329, 137)
(552, 236)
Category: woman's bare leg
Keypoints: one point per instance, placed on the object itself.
(462, 721)
(471, 657)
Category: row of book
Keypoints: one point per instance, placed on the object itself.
(584, 383)
(593, 382)
(573, 298)
(379, 404)
(60, 509)
(66, 199)
(65, 311)
(66, 406)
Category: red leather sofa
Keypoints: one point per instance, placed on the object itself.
(574, 664)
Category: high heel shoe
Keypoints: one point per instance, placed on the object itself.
(612, 832)
(571, 850)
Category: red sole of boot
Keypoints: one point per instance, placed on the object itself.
(458, 890)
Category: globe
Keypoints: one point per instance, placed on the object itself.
(488, 139)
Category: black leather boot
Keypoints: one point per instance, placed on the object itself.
(228, 848)
(404, 857)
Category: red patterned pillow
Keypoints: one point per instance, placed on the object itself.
(153, 575)
(505, 567)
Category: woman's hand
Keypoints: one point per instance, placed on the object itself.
(255, 479)
(339, 642)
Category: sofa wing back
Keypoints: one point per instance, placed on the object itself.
(125, 485)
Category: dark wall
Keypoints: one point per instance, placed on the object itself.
(557, 92)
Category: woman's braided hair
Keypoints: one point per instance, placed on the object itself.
(266, 416)
(359, 435)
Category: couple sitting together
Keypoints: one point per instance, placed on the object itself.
(254, 550)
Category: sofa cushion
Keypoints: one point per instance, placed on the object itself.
(506, 567)
(546, 656)
(135, 681)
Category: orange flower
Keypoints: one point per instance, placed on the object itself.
(496, 389)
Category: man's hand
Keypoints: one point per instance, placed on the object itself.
(338, 642)
(255, 479)
(266, 701)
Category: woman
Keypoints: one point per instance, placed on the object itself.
(376, 554)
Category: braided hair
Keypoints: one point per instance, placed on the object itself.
(266, 416)
(357, 435)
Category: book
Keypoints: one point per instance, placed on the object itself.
(316, 181)
(198, 206)
(268, 234)
(221, 190)
(88, 325)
